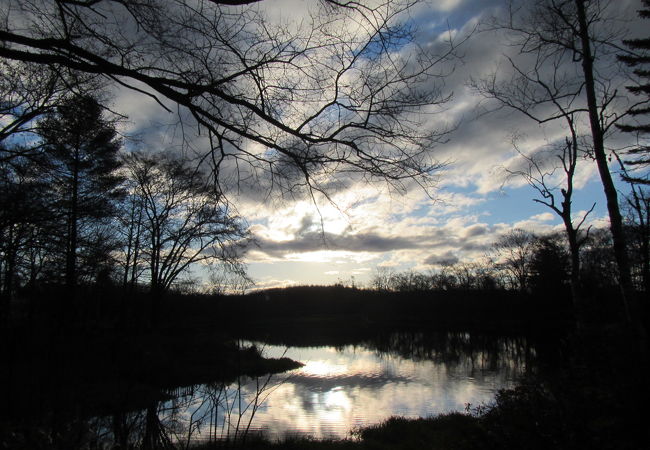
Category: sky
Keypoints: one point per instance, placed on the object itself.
(367, 227)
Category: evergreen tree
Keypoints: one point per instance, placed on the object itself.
(639, 58)
(550, 266)
(82, 147)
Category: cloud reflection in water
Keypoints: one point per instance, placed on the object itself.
(341, 389)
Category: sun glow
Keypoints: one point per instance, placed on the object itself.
(331, 256)
(337, 398)
(323, 369)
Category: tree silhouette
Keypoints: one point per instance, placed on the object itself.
(513, 253)
(27, 93)
(549, 266)
(539, 172)
(24, 223)
(572, 45)
(82, 151)
(295, 104)
(181, 221)
(638, 227)
(639, 58)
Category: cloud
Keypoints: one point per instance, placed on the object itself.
(317, 241)
(411, 242)
(446, 5)
(367, 224)
(447, 258)
(475, 230)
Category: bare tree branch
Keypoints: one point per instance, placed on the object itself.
(341, 94)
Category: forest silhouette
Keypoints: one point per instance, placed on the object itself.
(101, 320)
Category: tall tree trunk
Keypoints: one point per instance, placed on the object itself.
(152, 439)
(576, 281)
(136, 249)
(569, 161)
(616, 221)
(7, 272)
(71, 253)
(645, 265)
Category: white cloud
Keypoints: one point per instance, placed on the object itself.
(445, 5)
(370, 225)
(544, 217)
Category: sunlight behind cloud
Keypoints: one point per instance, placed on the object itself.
(331, 256)
(370, 225)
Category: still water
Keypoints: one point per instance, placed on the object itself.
(340, 389)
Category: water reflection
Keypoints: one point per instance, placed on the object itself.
(337, 390)
(340, 389)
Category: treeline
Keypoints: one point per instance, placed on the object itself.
(79, 215)
(318, 315)
(77, 212)
(527, 262)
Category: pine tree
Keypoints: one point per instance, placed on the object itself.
(639, 58)
(82, 148)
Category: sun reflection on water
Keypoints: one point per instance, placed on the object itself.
(323, 368)
(341, 389)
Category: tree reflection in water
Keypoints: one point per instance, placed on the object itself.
(482, 352)
(407, 368)
(215, 412)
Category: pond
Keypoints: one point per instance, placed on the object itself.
(340, 389)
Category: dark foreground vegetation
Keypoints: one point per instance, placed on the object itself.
(95, 242)
(588, 389)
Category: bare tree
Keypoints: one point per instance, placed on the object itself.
(23, 213)
(298, 103)
(27, 93)
(540, 173)
(513, 253)
(226, 279)
(184, 223)
(637, 206)
(131, 231)
(566, 64)
(382, 279)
